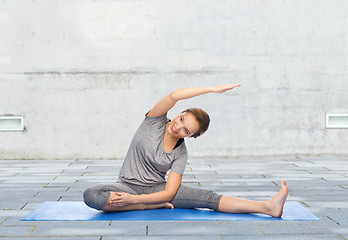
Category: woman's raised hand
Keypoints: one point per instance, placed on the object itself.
(225, 88)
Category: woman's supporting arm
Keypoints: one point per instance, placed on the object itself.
(166, 103)
(167, 195)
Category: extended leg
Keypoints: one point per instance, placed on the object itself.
(188, 197)
(272, 207)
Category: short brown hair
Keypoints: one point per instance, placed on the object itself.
(202, 118)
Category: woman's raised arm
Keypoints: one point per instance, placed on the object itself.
(166, 103)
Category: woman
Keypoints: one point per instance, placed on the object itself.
(158, 147)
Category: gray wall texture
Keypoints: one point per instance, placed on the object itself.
(84, 73)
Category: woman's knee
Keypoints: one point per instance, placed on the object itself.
(96, 197)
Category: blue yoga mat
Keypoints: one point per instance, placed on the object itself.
(78, 211)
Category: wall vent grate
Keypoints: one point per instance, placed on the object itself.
(336, 120)
(11, 123)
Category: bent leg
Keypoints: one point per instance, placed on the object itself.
(98, 197)
(111, 208)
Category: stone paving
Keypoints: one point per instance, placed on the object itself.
(318, 183)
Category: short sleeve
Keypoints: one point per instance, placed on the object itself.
(179, 164)
(156, 121)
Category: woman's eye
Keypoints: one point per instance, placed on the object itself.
(186, 131)
(180, 118)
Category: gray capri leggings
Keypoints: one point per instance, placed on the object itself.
(98, 195)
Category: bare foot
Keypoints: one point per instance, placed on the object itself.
(168, 205)
(275, 205)
(160, 205)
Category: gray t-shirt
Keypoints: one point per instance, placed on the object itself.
(146, 162)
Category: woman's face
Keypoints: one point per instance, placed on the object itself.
(184, 125)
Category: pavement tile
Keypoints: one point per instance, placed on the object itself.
(171, 237)
(283, 236)
(52, 238)
(15, 221)
(88, 229)
(13, 213)
(203, 227)
(12, 231)
(328, 205)
(300, 228)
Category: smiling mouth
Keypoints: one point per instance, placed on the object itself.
(173, 129)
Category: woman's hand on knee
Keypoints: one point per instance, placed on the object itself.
(121, 199)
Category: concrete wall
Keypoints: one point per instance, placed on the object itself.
(83, 73)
